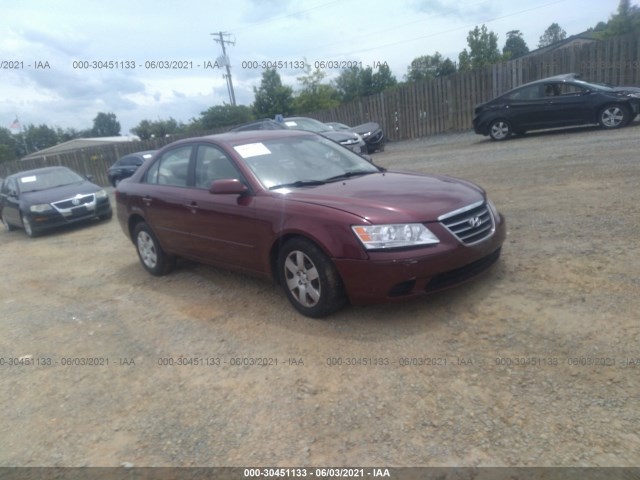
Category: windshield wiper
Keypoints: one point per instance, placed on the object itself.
(347, 175)
(299, 183)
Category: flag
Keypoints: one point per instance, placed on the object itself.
(15, 125)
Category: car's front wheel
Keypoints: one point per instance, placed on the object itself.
(310, 279)
(499, 130)
(613, 116)
(153, 258)
(27, 227)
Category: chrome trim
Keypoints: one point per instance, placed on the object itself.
(470, 226)
(460, 210)
(88, 201)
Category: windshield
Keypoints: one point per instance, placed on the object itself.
(302, 161)
(594, 86)
(48, 179)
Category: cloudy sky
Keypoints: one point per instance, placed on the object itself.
(49, 42)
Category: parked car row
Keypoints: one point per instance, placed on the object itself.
(348, 139)
(559, 101)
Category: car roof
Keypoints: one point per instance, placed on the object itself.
(248, 136)
(142, 153)
(36, 171)
(556, 78)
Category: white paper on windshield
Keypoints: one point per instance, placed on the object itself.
(290, 123)
(252, 150)
(28, 179)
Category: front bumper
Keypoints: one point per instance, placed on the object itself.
(54, 219)
(389, 277)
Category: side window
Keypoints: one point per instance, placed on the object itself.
(213, 164)
(531, 92)
(171, 168)
(570, 90)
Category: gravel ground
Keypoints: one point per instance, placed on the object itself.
(535, 363)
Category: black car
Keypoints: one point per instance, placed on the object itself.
(50, 197)
(127, 165)
(350, 140)
(370, 132)
(559, 101)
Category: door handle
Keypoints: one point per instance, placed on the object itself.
(193, 206)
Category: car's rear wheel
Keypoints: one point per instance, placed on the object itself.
(153, 258)
(499, 130)
(310, 279)
(7, 226)
(613, 116)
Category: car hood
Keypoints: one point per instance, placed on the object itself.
(59, 193)
(366, 128)
(391, 197)
(340, 136)
(626, 89)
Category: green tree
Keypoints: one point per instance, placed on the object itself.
(356, 82)
(272, 98)
(428, 67)
(40, 137)
(224, 116)
(348, 84)
(105, 125)
(160, 128)
(627, 20)
(7, 146)
(514, 46)
(315, 95)
(554, 33)
(483, 50)
(383, 79)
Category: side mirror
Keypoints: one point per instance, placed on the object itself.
(228, 186)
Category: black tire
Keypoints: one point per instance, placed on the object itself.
(151, 255)
(310, 279)
(7, 226)
(499, 130)
(614, 116)
(31, 233)
(106, 216)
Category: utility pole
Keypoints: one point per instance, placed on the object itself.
(222, 41)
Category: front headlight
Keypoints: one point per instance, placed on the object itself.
(101, 194)
(42, 207)
(394, 236)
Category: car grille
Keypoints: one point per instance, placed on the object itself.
(470, 224)
(74, 202)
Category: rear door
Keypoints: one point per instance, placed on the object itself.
(163, 197)
(526, 107)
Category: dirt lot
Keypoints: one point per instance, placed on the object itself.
(535, 363)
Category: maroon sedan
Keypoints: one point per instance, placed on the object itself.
(325, 223)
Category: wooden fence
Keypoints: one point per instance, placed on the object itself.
(419, 109)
